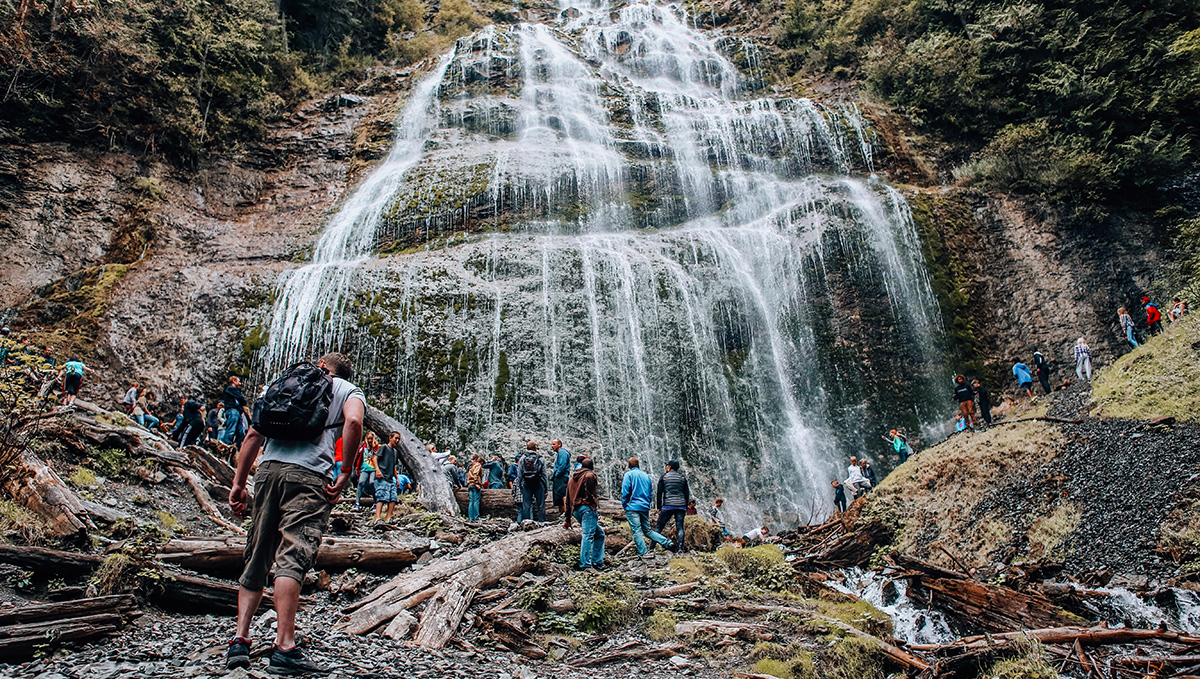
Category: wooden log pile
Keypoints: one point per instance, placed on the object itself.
(26, 630)
(222, 555)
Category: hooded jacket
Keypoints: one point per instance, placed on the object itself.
(673, 490)
(582, 490)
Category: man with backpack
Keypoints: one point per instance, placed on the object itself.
(531, 474)
(1041, 369)
(295, 424)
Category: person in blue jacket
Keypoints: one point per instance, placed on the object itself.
(637, 494)
(562, 472)
(1024, 377)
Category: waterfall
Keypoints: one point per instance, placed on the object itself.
(609, 237)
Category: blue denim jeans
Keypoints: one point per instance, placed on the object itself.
(1129, 336)
(233, 427)
(665, 515)
(473, 506)
(639, 525)
(591, 546)
(533, 503)
(147, 420)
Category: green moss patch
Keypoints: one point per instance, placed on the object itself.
(1161, 377)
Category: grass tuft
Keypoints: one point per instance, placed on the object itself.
(1161, 377)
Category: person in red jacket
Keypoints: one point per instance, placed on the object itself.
(1153, 316)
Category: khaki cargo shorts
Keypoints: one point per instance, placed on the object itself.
(289, 516)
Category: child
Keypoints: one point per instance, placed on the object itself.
(839, 496)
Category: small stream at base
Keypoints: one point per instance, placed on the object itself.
(1178, 609)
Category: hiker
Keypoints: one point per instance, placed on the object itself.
(495, 470)
(129, 400)
(636, 495)
(192, 426)
(583, 502)
(855, 481)
(213, 420)
(965, 397)
(1127, 326)
(1041, 369)
(72, 379)
(460, 474)
(366, 473)
(562, 472)
(899, 444)
(839, 496)
(141, 412)
(235, 404)
(1153, 316)
(293, 496)
(404, 484)
(337, 458)
(717, 515)
(1083, 359)
(691, 508)
(384, 463)
(673, 496)
(474, 487)
(755, 535)
(48, 360)
(867, 472)
(1178, 310)
(532, 479)
(514, 483)
(1024, 377)
(985, 400)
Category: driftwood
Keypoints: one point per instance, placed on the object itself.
(850, 549)
(432, 487)
(740, 630)
(27, 629)
(215, 468)
(990, 607)
(673, 590)
(206, 502)
(482, 567)
(223, 554)
(179, 591)
(513, 629)
(441, 616)
(1088, 636)
(35, 486)
(634, 650)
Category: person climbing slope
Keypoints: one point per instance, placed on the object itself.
(1041, 369)
(1024, 377)
(1083, 359)
(899, 444)
(72, 380)
(985, 401)
(1153, 316)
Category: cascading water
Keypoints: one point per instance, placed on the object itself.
(605, 237)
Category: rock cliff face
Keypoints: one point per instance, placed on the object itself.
(602, 230)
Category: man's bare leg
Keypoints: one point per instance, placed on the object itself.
(287, 600)
(391, 508)
(248, 601)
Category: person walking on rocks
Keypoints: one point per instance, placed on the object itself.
(1024, 377)
(1153, 316)
(583, 502)
(673, 496)
(294, 493)
(386, 490)
(1041, 368)
(1127, 326)
(1083, 359)
(855, 481)
(839, 496)
(532, 476)
(562, 472)
(965, 395)
(366, 470)
(72, 379)
(235, 406)
(474, 487)
(637, 492)
(985, 401)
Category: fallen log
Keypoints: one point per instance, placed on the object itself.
(215, 468)
(223, 555)
(433, 490)
(513, 629)
(206, 502)
(741, 630)
(485, 566)
(51, 561)
(124, 604)
(1088, 636)
(34, 485)
(1157, 661)
(850, 549)
(991, 607)
(103, 513)
(634, 650)
(25, 630)
(499, 502)
(673, 590)
(439, 620)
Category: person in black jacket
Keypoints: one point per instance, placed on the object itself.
(1041, 369)
(673, 496)
(985, 401)
(193, 422)
(966, 399)
(235, 406)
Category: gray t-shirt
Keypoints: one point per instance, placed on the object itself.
(386, 458)
(316, 455)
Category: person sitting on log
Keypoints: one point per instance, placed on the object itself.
(294, 492)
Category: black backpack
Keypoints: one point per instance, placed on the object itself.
(532, 467)
(296, 406)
